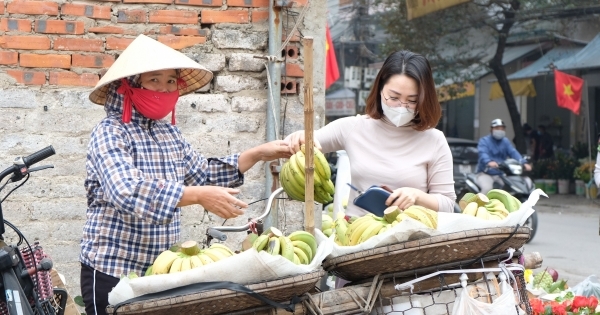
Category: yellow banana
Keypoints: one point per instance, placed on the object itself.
(510, 202)
(300, 160)
(163, 262)
(287, 248)
(176, 265)
(306, 238)
(186, 263)
(296, 172)
(195, 261)
(384, 228)
(471, 209)
(431, 215)
(261, 242)
(274, 247)
(359, 230)
(356, 223)
(341, 227)
(296, 259)
(301, 255)
(371, 231)
(304, 248)
(321, 196)
(322, 165)
(289, 183)
(205, 259)
(215, 254)
(482, 213)
(223, 248)
(417, 213)
(465, 200)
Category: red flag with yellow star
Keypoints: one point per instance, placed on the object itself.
(568, 91)
(332, 73)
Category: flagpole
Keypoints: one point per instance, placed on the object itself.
(589, 132)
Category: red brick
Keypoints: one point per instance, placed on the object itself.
(59, 27)
(33, 7)
(2, 8)
(173, 16)
(295, 37)
(107, 29)
(229, 16)
(293, 70)
(91, 11)
(20, 25)
(9, 58)
(301, 2)
(45, 61)
(81, 44)
(206, 3)
(180, 42)
(116, 43)
(28, 77)
(24, 42)
(172, 29)
(248, 3)
(72, 78)
(148, 1)
(131, 16)
(260, 16)
(92, 61)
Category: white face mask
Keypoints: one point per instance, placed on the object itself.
(498, 134)
(399, 116)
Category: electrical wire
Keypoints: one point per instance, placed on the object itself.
(10, 192)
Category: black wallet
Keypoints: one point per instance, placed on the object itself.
(373, 199)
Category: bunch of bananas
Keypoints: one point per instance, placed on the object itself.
(293, 180)
(496, 205)
(299, 247)
(369, 225)
(327, 224)
(188, 256)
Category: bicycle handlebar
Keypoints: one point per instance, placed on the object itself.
(28, 161)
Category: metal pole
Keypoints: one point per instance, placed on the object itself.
(273, 100)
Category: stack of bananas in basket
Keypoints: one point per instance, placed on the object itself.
(187, 256)
(363, 228)
(298, 247)
(292, 177)
(496, 205)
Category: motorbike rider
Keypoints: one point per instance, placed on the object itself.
(494, 149)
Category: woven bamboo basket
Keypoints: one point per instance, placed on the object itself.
(213, 302)
(425, 252)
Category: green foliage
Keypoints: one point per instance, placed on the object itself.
(585, 170)
(580, 151)
(565, 165)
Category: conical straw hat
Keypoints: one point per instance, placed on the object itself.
(145, 54)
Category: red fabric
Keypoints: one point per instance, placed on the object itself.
(151, 104)
(568, 91)
(332, 73)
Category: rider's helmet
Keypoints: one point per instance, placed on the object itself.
(497, 122)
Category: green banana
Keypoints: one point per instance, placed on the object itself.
(341, 227)
(496, 206)
(328, 186)
(287, 248)
(306, 238)
(326, 222)
(322, 165)
(289, 185)
(301, 255)
(299, 158)
(510, 202)
(296, 259)
(321, 196)
(274, 247)
(467, 198)
(149, 271)
(304, 248)
(261, 243)
(163, 262)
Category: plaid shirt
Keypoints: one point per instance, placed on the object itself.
(136, 173)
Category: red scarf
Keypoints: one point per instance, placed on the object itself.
(151, 104)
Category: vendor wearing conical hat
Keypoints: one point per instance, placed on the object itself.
(140, 169)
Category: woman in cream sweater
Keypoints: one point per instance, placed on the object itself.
(395, 143)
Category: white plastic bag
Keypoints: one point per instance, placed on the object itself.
(503, 305)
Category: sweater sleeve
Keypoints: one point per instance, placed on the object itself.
(441, 177)
(332, 136)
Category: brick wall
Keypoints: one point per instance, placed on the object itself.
(53, 52)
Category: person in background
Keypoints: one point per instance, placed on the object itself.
(395, 143)
(493, 149)
(597, 167)
(546, 144)
(532, 140)
(141, 170)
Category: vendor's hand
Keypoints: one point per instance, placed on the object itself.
(527, 167)
(273, 150)
(403, 197)
(492, 164)
(296, 139)
(218, 200)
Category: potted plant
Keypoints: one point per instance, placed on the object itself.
(565, 167)
(583, 175)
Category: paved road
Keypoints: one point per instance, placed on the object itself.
(568, 238)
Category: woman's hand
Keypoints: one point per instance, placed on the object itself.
(296, 139)
(403, 197)
(218, 200)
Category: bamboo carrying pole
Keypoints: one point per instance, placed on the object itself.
(309, 188)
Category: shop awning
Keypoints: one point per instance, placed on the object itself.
(523, 87)
(587, 58)
(540, 66)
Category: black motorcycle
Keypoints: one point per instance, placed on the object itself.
(513, 181)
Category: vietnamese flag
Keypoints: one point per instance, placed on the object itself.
(332, 73)
(568, 91)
